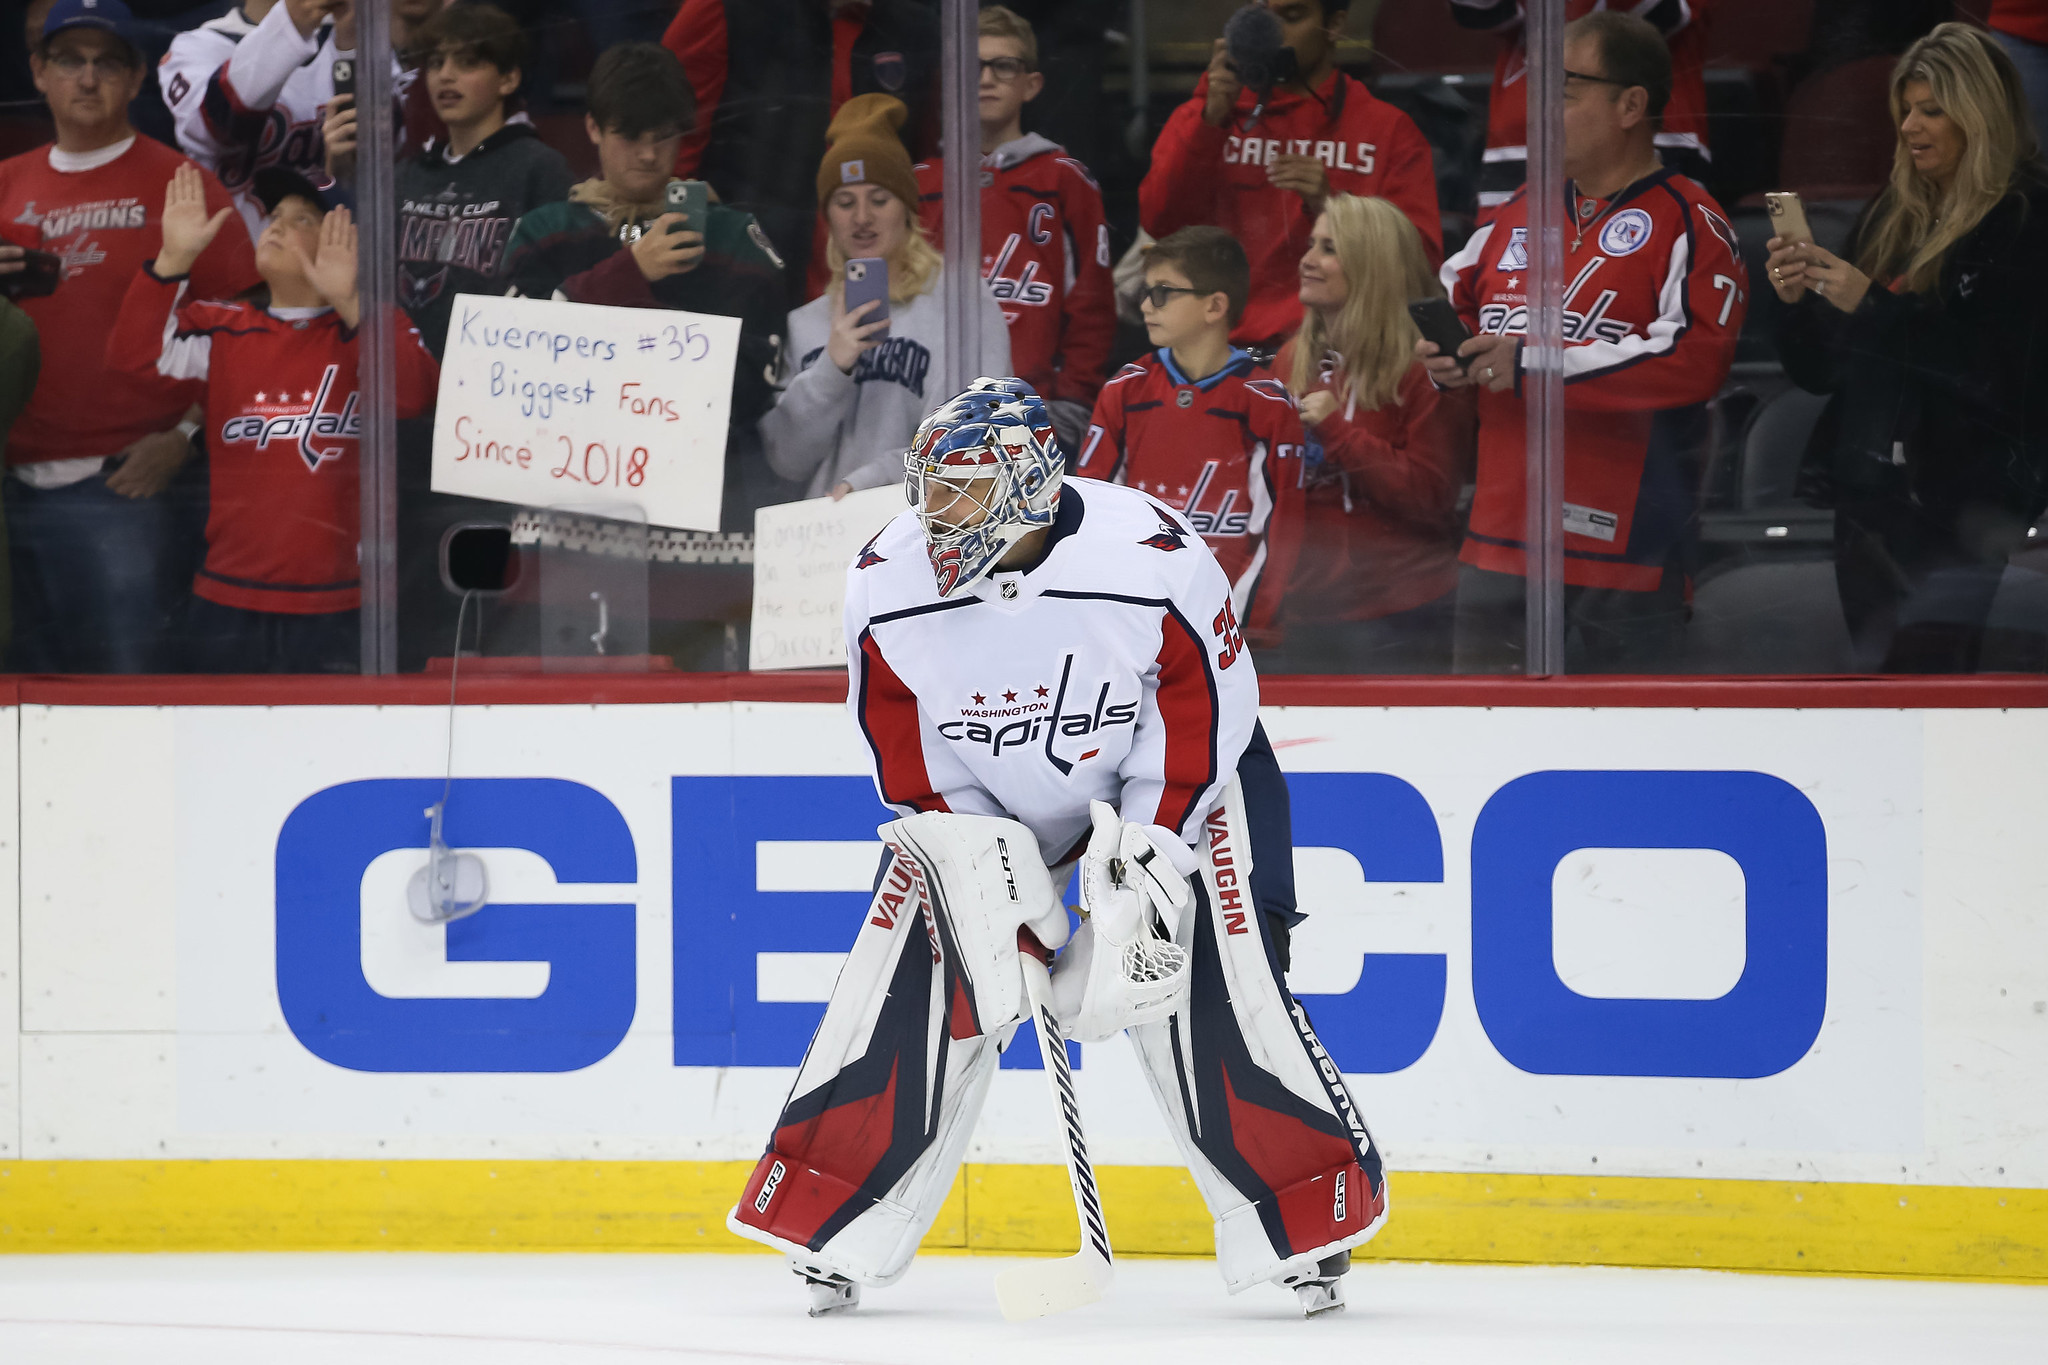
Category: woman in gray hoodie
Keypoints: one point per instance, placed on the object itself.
(853, 391)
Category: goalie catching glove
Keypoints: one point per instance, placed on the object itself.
(1123, 967)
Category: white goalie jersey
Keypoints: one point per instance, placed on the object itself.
(249, 96)
(1115, 670)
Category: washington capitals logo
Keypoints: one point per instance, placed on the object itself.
(299, 422)
(867, 557)
(1167, 537)
(946, 568)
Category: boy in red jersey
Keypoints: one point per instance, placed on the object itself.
(1204, 427)
(280, 588)
(93, 516)
(1044, 241)
(1261, 165)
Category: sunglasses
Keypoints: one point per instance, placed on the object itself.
(1159, 294)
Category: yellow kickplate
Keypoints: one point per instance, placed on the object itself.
(48, 1206)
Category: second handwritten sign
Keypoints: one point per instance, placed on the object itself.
(545, 403)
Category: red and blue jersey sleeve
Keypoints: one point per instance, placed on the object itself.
(1200, 706)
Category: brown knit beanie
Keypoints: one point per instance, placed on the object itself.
(862, 148)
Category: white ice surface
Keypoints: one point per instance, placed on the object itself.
(616, 1309)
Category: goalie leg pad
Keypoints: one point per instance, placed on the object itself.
(1263, 1118)
(867, 1144)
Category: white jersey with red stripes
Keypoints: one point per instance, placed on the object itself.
(1113, 670)
(247, 96)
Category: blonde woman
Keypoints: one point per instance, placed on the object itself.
(854, 390)
(1373, 588)
(1931, 337)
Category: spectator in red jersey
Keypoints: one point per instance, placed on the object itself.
(1206, 428)
(1681, 131)
(1376, 581)
(1653, 302)
(1260, 166)
(93, 537)
(1044, 241)
(770, 76)
(280, 589)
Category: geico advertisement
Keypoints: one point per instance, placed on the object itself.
(1653, 942)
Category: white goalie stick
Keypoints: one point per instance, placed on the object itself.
(1039, 1288)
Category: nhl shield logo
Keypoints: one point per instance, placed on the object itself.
(1515, 259)
(890, 71)
(1626, 232)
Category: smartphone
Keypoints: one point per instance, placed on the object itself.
(38, 277)
(690, 198)
(867, 278)
(1788, 216)
(1440, 323)
(345, 76)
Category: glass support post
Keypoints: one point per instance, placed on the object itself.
(960, 137)
(1543, 344)
(377, 288)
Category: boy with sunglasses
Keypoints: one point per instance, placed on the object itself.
(1044, 240)
(1204, 426)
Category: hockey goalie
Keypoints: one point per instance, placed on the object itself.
(1049, 672)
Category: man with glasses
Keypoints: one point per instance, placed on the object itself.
(1044, 240)
(1654, 295)
(1681, 133)
(99, 553)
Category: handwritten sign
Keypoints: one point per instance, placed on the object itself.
(545, 403)
(802, 551)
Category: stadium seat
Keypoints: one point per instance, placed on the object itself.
(563, 130)
(1756, 33)
(1769, 618)
(1773, 447)
(1839, 140)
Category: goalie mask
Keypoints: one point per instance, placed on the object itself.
(982, 473)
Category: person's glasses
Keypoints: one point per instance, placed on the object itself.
(1571, 76)
(1159, 294)
(71, 66)
(1004, 68)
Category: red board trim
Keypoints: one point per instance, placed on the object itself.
(2010, 691)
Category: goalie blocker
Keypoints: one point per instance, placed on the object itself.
(867, 1145)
